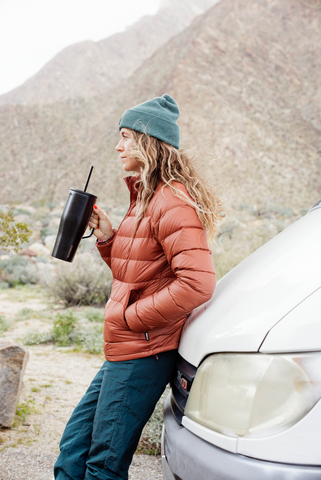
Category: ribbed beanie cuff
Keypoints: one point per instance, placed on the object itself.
(156, 117)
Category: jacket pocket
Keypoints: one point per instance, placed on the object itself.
(131, 297)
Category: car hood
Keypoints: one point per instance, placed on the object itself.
(257, 294)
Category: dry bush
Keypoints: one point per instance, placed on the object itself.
(18, 270)
(86, 281)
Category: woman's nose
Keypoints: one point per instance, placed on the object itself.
(119, 147)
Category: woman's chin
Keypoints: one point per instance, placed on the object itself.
(129, 169)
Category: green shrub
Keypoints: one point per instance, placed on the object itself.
(36, 338)
(4, 324)
(63, 329)
(66, 331)
(12, 234)
(17, 270)
(41, 259)
(24, 314)
(84, 282)
(24, 409)
(63, 332)
(91, 339)
(94, 315)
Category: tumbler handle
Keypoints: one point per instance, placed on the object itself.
(90, 234)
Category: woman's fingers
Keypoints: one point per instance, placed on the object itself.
(94, 221)
(100, 221)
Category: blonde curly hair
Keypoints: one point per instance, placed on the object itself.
(161, 162)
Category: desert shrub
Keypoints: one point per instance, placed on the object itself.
(17, 270)
(24, 314)
(63, 331)
(4, 324)
(84, 282)
(12, 234)
(21, 211)
(41, 259)
(67, 331)
(36, 338)
(91, 339)
(24, 409)
(94, 315)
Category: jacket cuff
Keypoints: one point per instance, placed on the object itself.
(106, 244)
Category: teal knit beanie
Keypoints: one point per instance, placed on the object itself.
(156, 117)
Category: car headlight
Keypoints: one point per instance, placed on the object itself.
(254, 395)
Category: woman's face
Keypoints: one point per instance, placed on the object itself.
(123, 147)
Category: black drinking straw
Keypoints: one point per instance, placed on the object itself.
(88, 178)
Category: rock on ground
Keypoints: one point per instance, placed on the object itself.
(13, 360)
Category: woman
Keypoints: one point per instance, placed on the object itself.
(162, 269)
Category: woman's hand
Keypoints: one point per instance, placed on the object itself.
(100, 221)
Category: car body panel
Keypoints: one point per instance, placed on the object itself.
(257, 294)
(290, 335)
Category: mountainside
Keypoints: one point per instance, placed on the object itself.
(90, 68)
(245, 75)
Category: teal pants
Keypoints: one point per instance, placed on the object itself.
(102, 434)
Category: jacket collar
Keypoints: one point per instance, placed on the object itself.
(130, 182)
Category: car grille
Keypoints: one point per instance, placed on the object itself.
(181, 385)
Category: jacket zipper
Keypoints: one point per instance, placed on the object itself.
(129, 252)
(131, 207)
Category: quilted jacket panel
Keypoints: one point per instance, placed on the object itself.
(159, 276)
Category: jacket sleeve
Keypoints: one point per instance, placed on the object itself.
(105, 249)
(184, 243)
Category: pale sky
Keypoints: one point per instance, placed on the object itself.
(32, 32)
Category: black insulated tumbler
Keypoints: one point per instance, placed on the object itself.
(73, 223)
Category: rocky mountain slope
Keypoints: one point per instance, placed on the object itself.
(90, 68)
(246, 76)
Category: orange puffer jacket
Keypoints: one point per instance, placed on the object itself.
(159, 277)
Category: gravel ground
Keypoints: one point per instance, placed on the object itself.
(24, 463)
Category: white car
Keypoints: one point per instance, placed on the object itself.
(245, 403)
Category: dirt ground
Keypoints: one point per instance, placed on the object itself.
(55, 379)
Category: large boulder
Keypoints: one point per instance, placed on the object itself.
(13, 361)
